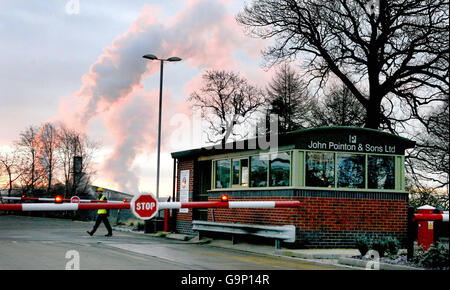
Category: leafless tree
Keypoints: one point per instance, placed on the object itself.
(429, 161)
(338, 108)
(10, 163)
(74, 144)
(28, 147)
(289, 99)
(48, 144)
(227, 101)
(384, 52)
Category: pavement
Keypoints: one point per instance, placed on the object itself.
(335, 257)
(36, 243)
(43, 243)
(321, 256)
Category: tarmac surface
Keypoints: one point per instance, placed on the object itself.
(46, 243)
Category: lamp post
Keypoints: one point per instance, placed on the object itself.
(171, 59)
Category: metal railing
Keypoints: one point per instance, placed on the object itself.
(284, 233)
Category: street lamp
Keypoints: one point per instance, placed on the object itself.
(171, 59)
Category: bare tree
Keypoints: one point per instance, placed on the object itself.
(289, 99)
(338, 108)
(226, 101)
(28, 147)
(10, 163)
(428, 162)
(48, 144)
(74, 144)
(380, 50)
(68, 149)
(419, 196)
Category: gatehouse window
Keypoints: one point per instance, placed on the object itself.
(258, 170)
(280, 169)
(223, 173)
(261, 170)
(244, 172)
(240, 172)
(351, 170)
(236, 172)
(381, 171)
(319, 169)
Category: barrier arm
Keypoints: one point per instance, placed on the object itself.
(51, 199)
(162, 205)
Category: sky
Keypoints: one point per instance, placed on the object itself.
(80, 62)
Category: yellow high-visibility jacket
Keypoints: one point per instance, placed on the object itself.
(102, 211)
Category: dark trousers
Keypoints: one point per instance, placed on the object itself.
(102, 218)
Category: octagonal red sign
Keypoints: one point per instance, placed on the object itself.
(75, 199)
(144, 206)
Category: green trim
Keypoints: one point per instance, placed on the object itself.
(244, 154)
(335, 170)
(299, 168)
(400, 172)
(366, 171)
(213, 174)
(308, 188)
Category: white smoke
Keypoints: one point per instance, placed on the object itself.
(204, 34)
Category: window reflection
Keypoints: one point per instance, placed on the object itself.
(223, 173)
(350, 170)
(280, 168)
(236, 171)
(258, 171)
(381, 172)
(319, 169)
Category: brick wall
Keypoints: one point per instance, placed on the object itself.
(324, 219)
(333, 220)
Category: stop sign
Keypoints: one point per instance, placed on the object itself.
(144, 206)
(75, 199)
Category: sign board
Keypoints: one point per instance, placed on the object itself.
(360, 140)
(75, 199)
(184, 188)
(144, 206)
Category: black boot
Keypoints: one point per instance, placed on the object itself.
(108, 235)
(90, 233)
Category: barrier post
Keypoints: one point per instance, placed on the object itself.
(166, 220)
(425, 232)
(411, 234)
(166, 217)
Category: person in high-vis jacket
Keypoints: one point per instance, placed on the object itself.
(102, 216)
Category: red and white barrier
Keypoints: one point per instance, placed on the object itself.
(62, 206)
(432, 216)
(230, 204)
(53, 199)
(425, 224)
(162, 205)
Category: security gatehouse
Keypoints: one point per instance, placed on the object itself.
(349, 181)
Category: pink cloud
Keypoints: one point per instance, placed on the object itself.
(203, 33)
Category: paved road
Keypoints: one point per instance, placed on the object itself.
(43, 243)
